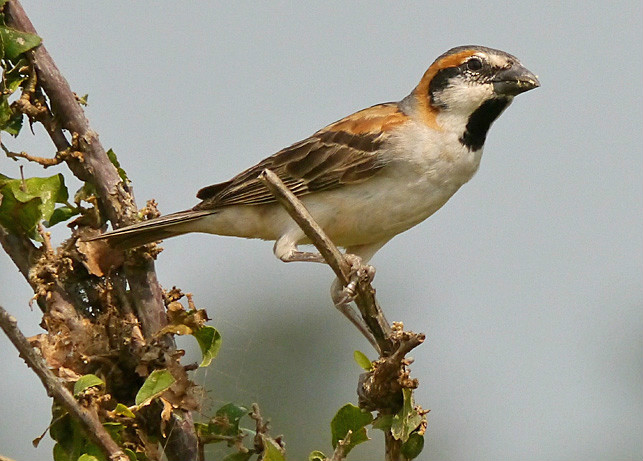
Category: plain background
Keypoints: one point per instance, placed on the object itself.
(528, 283)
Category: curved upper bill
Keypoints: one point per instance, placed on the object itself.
(515, 80)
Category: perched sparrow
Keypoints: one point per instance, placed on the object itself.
(369, 176)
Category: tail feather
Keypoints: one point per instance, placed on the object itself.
(152, 230)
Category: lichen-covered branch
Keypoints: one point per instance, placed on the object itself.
(93, 427)
(64, 120)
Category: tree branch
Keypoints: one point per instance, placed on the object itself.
(114, 195)
(89, 421)
(365, 300)
(380, 389)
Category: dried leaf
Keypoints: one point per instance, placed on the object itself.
(99, 257)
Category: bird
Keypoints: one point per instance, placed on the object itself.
(366, 177)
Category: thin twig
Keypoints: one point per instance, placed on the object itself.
(365, 300)
(89, 421)
(342, 448)
(381, 388)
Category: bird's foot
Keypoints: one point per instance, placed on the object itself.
(359, 273)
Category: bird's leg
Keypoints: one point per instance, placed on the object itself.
(343, 295)
(355, 319)
(304, 256)
(286, 249)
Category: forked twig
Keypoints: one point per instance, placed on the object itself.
(365, 299)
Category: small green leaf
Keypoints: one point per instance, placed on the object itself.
(5, 112)
(85, 193)
(131, 454)
(70, 438)
(115, 431)
(225, 422)
(86, 457)
(228, 417)
(61, 214)
(407, 419)
(362, 360)
(383, 422)
(26, 203)
(121, 172)
(316, 456)
(155, 384)
(14, 42)
(87, 381)
(350, 418)
(413, 446)
(14, 124)
(60, 454)
(123, 410)
(271, 451)
(14, 77)
(239, 456)
(209, 341)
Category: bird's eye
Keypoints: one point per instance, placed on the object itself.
(474, 64)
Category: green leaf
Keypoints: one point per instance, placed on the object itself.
(86, 457)
(316, 456)
(362, 360)
(60, 454)
(13, 42)
(82, 100)
(209, 341)
(14, 124)
(70, 438)
(87, 381)
(115, 431)
(239, 456)
(227, 418)
(407, 419)
(131, 454)
(225, 422)
(271, 451)
(350, 418)
(61, 214)
(155, 384)
(26, 203)
(5, 112)
(121, 172)
(413, 446)
(85, 193)
(383, 422)
(123, 410)
(12, 78)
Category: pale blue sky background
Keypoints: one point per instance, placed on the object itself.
(528, 282)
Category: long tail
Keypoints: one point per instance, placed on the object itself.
(153, 230)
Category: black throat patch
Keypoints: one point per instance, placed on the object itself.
(479, 122)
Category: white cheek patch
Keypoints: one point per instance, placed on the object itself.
(465, 97)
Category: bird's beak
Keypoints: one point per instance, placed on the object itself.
(515, 80)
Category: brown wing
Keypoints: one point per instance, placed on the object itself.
(345, 152)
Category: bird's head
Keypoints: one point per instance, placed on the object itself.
(468, 87)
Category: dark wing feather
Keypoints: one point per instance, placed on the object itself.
(345, 152)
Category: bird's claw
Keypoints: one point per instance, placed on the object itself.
(359, 273)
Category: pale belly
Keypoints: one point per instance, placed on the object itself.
(371, 212)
